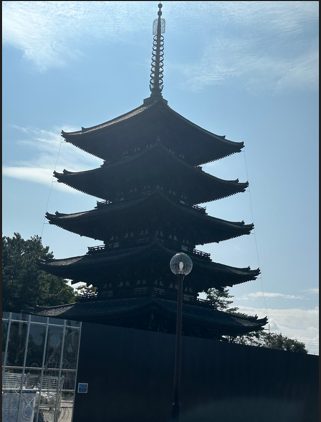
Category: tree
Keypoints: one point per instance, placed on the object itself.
(24, 284)
(84, 292)
(221, 300)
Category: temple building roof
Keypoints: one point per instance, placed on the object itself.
(155, 256)
(160, 167)
(155, 210)
(147, 123)
(125, 311)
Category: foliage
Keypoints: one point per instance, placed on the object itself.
(221, 300)
(270, 340)
(24, 284)
(86, 292)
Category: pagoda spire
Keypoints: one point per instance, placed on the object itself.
(157, 65)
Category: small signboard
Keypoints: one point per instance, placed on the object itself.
(82, 387)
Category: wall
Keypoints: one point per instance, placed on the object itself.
(129, 374)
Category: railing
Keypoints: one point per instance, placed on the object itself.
(201, 253)
(142, 241)
(99, 248)
(147, 291)
(103, 203)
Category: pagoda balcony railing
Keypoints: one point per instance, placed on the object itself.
(103, 203)
(144, 241)
(147, 190)
(100, 248)
(139, 149)
(145, 291)
(201, 253)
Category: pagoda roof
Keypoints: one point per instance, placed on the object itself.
(154, 165)
(108, 220)
(145, 124)
(101, 266)
(128, 311)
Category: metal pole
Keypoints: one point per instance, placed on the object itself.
(178, 351)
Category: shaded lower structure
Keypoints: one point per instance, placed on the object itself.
(129, 374)
(157, 314)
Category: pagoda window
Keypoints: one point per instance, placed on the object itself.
(144, 282)
(131, 234)
(116, 245)
(127, 283)
(120, 284)
(138, 282)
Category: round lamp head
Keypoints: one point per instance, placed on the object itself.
(181, 264)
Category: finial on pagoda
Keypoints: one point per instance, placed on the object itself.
(157, 67)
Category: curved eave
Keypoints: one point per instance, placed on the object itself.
(142, 120)
(210, 187)
(237, 146)
(113, 311)
(103, 222)
(98, 128)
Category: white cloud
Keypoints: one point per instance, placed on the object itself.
(295, 323)
(49, 152)
(51, 34)
(36, 175)
(281, 16)
(314, 291)
(228, 59)
(272, 295)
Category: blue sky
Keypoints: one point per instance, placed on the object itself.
(247, 70)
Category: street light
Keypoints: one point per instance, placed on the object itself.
(180, 265)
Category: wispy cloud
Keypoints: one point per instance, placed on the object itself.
(314, 291)
(49, 152)
(51, 34)
(226, 60)
(268, 45)
(270, 295)
(296, 323)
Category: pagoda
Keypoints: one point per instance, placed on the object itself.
(149, 186)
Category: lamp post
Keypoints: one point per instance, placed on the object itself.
(180, 265)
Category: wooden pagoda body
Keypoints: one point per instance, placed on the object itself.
(149, 186)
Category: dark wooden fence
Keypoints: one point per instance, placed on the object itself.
(129, 374)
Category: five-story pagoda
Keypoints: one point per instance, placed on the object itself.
(150, 184)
